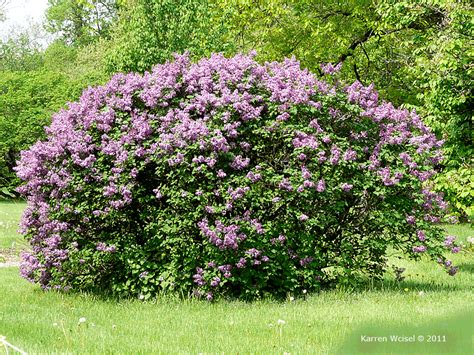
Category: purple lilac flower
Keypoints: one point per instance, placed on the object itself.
(315, 125)
(452, 270)
(326, 139)
(421, 235)
(321, 186)
(157, 193)
(350, 155)
(346, 187)
(258, 226)
(253, 177)
(285, 184)
(304, 140)
(330, 69)
(419, 249)
(209, 209)
(104, 248)
(225, 268)
(280, 240)
(215, 281)
(335, 155)
(455, 250)
(306, 260)
(431, 218)
(239, 162)
(305, 173)
(449, 240)
(245, 146)
(241, 263)
(385, 174)
(253, 252)
(237, 193)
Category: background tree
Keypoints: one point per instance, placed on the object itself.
(442, 75)
(149, 31)
(20, 53)
(34, 83)
(80, 22)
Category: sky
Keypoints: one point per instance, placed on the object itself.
(20, 14)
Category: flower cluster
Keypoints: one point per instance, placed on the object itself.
(227, 176)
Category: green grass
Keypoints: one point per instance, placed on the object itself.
(428, 302)
(10, 213)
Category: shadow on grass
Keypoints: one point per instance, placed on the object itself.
(426, 286)
(463, 267)
(385, 285)
(389, 286)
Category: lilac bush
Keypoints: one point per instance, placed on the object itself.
(228, 177)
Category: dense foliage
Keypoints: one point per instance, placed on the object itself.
(228, 177)
(80, 22)
(149, 32)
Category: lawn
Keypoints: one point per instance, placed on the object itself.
(11, 242)
(427, 303)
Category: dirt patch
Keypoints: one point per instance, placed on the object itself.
(10, 264)
(10, 255)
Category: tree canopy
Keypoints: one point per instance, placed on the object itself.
(80, 22)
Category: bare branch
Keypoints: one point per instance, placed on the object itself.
(356, 72)
(428, 21)
(364, 38)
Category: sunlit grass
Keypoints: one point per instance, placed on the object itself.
(10, 213)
